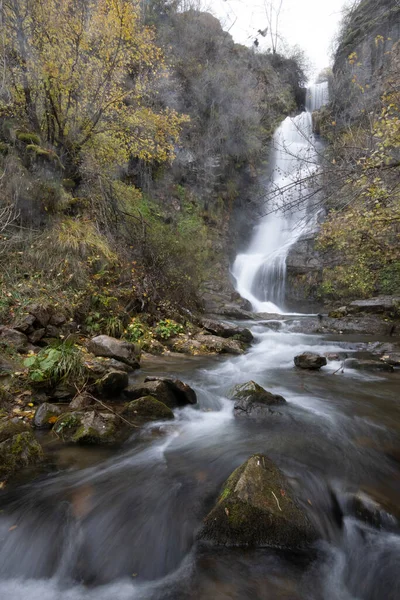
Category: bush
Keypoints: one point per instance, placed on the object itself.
(56, 363)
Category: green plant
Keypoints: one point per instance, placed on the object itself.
(135, 331)
(114, 326)
(56, 363)
(168, 328)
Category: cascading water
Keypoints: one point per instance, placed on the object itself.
(261, 272)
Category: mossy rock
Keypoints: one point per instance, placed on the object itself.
(87, 428)
(9, 429)
(28, 138)
(18, 449)
(257, 508)
(148, 408)
(46, 415)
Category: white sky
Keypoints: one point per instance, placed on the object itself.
(311, 24)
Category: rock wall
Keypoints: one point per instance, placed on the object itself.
(304, 266)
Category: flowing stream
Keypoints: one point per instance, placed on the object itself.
(122, 524)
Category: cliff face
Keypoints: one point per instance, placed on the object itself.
(363, 57)
(366, 58)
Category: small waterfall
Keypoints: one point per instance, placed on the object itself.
(261, 272)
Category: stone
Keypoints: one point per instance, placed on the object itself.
(380, 304)
(18, 448)
(25, 324)
(109, 347)
(335, 356)
(250, 393)
(227, 330)
(81, 401)
(42, 313)
(372, 512)
(392, 359)
(46, 415)
(63, 391)
(219, 345)
(310, 360)
(14, 338)
(158, 389)
(257, 507)
(183, 392)
(37, 335)
(87, 427)
(57, 319)
(52, 331)
(235, 312)
(368, 365)
(147, 408)
(113, 383)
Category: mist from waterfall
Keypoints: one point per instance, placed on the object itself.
(260, 273)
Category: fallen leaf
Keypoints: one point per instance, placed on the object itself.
(13, 527)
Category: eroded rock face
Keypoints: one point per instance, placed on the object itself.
(147, 409)
(310, 361)
(252, 400)
(18, 448)
(256, 507)
(109, 347)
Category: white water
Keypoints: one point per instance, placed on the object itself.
(261, 272)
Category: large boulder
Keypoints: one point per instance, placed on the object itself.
(42, 314)
(310, 361)
(46, 415)
(18, 448)
(172, 392)
(15, 338)
(219, 345)
(88, 427)
(227, 330)
(251, 400)
(109, 347)
(368, 365)
(183, 392)
(257, 508)
(147, 409)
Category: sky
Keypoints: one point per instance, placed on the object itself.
(311, 24)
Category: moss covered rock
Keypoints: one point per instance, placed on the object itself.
(18, 448)
(88, 428)
(157, 389)
(147, 408)
(252, 392)
(257, 508)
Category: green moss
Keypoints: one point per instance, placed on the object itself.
(35, 149)
(148, 408)
(28, 138)
(18, 451)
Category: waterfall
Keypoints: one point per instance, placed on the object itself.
(260, 273)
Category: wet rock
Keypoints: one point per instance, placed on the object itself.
(251, 400)
(219, 345)
(272, 325)
(381, 304)
(117, 365)
(310, 361)
(104, 345)
(392, 359)
(37, 335)
(18, 448)
(147, 408)
(158, 389)
(182, 391)
(46, 415)
(65, 390)
(368, 365)
(14, 338)
(227, 330)
(370, 511)
(235, 312)
(88, 427)
(334, 356)
(113, 383)
(257, 508)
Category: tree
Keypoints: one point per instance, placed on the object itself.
(273, 9)
(77, 73)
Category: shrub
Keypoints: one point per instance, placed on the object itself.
(56, 363)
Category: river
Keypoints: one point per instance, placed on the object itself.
(122, 524)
